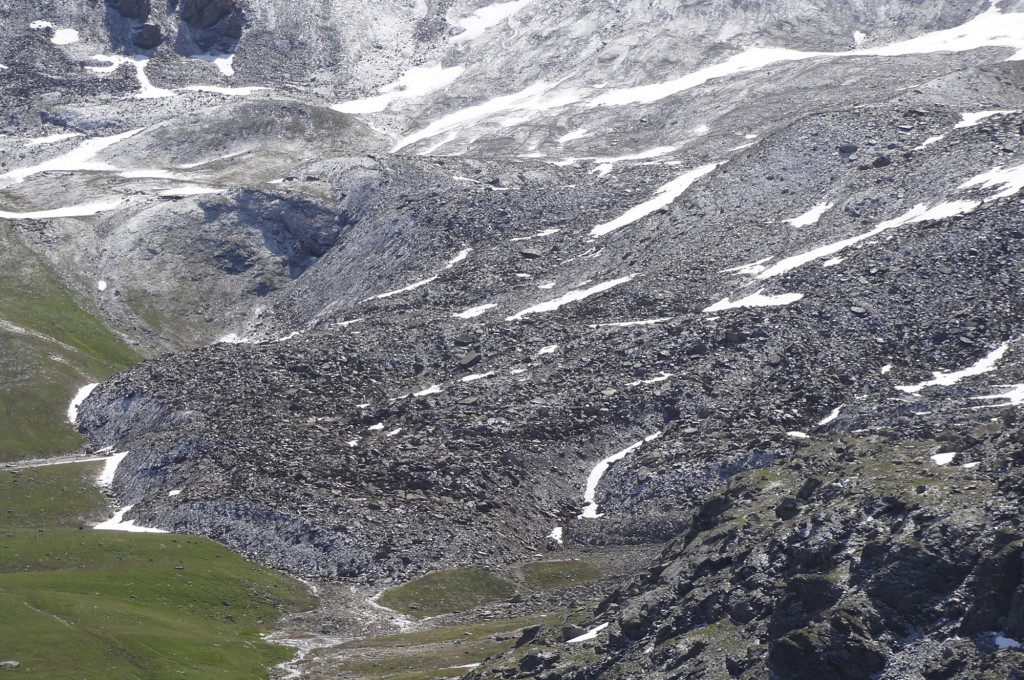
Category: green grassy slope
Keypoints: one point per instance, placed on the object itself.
(80, 603)
(49, 347)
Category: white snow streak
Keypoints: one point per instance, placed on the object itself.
(118, 523)
(556, 534)
(227, 91)
(752, 269)
(664, 196)
(811, 216)
(52, 139)
(972, 119)
(590, 511)
(433, 389)
(486, 17)
(473, 312)
(1011, 179)
(535, 98)
(574, 296)
(477, 376)
(943, 458)
(590, 634)
(174, 492)
(223, 62)
(70, 211)
(106, 476)
(624, 324)
(1014, 395)
(984, 365)
(416, 82)
(81, 158)
(79, 397)
(989, 29)
(831, 416)
(550, 349)
(918, 213)
(756, 300)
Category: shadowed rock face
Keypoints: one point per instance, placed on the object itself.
(763, 260)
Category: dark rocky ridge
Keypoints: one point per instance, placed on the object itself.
(322, 445)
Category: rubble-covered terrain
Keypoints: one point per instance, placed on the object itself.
(428, 286)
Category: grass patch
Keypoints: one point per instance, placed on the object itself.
(59, 348)
(95, 604)
(55, 495)
(444, 592)
(549, 575)
(431, 653)
(425, 637)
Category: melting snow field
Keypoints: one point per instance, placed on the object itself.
(473, 312)
(984, 365)
(416, 82)
(663, 197)
(70, 211)
(80, 397)
(1010, 179)
(82, 158)
(972, 119)
(574, 296)
(811, 216)
(918, 213)
(1014, 396)
(831, 416)
(590, 510)
(479, 21)
(106, 476)
(756, 300)
(537, 97)
(590, 634)
(118, 523)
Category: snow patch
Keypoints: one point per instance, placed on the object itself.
(752, 269)
(227, 91)
(625, 324)
(118, 523)
(590, 510)
(82, 158)
(473, 312)
(101, 286)
(885, 369)
(590, 634)
(943, 458)
(1014, 396)
(1011, 179)
(52, 139)
(536, 98)
(70, 211)
(378, 426)
(487, 17)
(984, 365)
(82, 394)
(811, 216)
(416, 82)
(574, 296)
(795, 434)
(918, 213)
(433, 389)
(550, 349)
(223, 62)
(556, 534)
(972, 119)
(831, 416)
(106, 476)
(755, 300)
(575, 134)
(477, 376)
(1005, 642)
(663, 197)
(174, 492)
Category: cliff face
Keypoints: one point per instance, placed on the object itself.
(736, 279)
